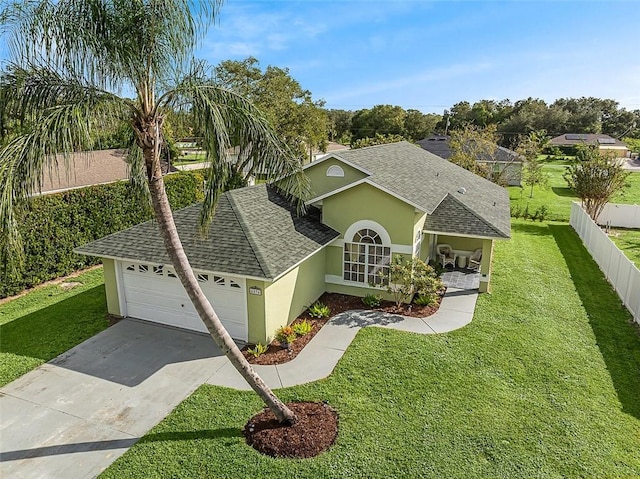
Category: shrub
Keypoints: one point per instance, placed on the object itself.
(302, 328)
(319, 310)
(409, 277)
(372, 300)
(285, 335)
(52, 226)
(258, 350)
(425, 299)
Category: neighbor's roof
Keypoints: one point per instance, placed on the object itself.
(439, 145)
(602, 140)
(90, 168)
(255, 232)
(425, 180)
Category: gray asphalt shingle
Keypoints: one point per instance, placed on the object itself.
(255, 232)
(425, 179)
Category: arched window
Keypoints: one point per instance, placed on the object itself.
(366, 258)
(335, 170)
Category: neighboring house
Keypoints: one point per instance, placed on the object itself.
(332, 147)
(505, 162)
(92, 168)
(261, 264)
(605, 143)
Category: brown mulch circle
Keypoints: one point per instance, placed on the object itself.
(314, 432)
(337, 303)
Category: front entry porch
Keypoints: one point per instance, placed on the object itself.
(461, 278)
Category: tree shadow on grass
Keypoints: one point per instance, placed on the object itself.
(563, 191)
(618, 340)
(50, 331)
(531, 228)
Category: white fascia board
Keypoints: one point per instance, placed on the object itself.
(336, 191)
(371, 183)
(335, 156)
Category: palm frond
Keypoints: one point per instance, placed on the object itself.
(229, 121)
(61, 114)
(113, 44)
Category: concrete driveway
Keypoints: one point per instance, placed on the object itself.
(73, 416)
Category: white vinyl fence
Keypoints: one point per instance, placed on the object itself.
(621, 216)
(618, 269)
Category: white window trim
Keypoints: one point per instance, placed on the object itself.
(335, 171)
(352, 230)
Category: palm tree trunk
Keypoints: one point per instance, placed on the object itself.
(183, 269)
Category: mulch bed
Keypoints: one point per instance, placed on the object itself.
(337, 303)
(314, 432)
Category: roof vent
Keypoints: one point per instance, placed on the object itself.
(462, 190)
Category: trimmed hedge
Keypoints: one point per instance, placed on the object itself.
(53, 225)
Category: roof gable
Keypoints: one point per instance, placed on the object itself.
(255, 232)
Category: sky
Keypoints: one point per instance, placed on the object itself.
(429, 55)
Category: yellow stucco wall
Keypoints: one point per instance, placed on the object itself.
(321, 183)
(365, 202)
(293, 293)
(111, 286)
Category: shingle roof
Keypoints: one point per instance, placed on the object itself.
(586, 139)
(255, 232)
(425, 180)
(439, 146)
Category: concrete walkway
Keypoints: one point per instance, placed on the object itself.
(75, 415)
(318, 358)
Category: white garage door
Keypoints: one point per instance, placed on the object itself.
(154, 293)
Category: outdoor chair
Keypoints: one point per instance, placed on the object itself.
(446, 254)
(475, 259)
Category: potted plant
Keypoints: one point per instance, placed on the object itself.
(286, 336)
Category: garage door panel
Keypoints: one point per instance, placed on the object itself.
(162, 299)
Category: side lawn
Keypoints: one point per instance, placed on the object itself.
(557, 197)
(628, 240)
(48, 321)
(545, 383)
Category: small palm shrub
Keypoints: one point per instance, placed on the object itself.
(258, 350)
(302, 328)
(372, 300)
(319, 310)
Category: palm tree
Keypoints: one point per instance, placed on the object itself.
(73, 64)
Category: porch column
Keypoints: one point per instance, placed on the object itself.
(485, 266)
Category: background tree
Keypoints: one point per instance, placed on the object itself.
(70, 60)
(339, 124)
(418, 125)
(381, 119)
(529, 149)
(376, 140)
(472, 146)
(295, 116)
(595, 178)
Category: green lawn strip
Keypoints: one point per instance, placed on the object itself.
(543, 383)
(557, 197)
(628, 240)
(48, 321)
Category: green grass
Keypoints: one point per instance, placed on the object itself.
(544, 383)
(628, 240)
(190, 158)
(47, 322)
(557, 197)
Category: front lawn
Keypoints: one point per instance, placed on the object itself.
(628, 240)
(557, 197)
(543, 383)
(48, 321)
